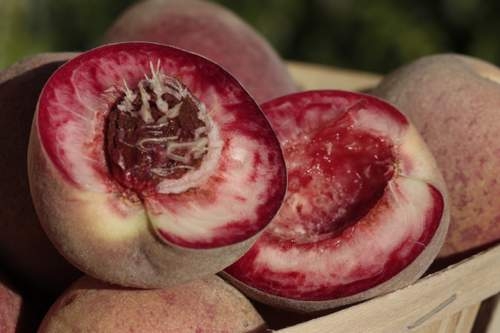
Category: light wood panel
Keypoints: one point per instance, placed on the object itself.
(310, 77)
(452, 295)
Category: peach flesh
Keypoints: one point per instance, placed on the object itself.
(212, 31)
(365, 211)
(208, 305)
(454, 101)
(25, 250)
(187, 227)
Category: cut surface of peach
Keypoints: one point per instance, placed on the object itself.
(139, 149)
(364, 201)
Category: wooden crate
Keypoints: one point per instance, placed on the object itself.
(446, 301)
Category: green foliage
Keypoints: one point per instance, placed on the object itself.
(32, 26)
(16, 36)
(370, 35)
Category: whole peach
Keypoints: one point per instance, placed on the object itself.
(10, 308)
(212, 31)
(208, 305)
(454, 101)
(24, 248)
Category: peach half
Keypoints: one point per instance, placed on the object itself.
(365, 211)
(151, 166)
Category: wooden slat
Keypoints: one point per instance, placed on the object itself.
(460, 322)
(322, 77)
(466, 319)
(494, 324)
(434, 298)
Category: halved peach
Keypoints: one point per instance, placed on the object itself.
(151, 166)
(365, 211)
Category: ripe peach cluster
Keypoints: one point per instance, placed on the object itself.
(182, 149)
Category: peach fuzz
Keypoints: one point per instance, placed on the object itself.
(151, 166)
(25, 250)
(454, 101)
(208, 305)
(212, 31)
(365, 212)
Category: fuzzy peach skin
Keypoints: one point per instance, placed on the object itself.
(138, 231)
(365, 212)
(10, 308)
(454, 101)
(25, 250)
(210, 30)
(208, 305)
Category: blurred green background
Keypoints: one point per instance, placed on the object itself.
(367, 35)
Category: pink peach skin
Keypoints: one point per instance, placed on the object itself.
(24, 248)
(10, 308)
(208, 305)
(454, 101)
(212, 31)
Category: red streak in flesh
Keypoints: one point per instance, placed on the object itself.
(285, 283)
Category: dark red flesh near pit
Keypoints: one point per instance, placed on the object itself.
(133, 167)
(358, 166)
(351, 174)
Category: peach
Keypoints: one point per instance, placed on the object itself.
(365, 211)
(454, 101)
(212, 31)
(208, 305)
(151, 166)
(24, 249)
(10, 308)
